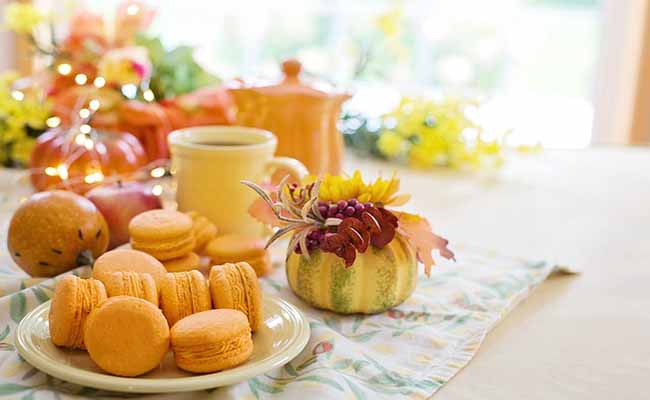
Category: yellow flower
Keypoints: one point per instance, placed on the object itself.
(22, 150)
(126, 65)
(389, 22)
(390, 144)
(20, 116)
(421, 157)
(334, 188)
(22, 17)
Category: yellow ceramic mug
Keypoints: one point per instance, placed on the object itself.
(210, 161)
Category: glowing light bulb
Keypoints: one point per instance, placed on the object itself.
(64, 69)
(51, 171)
(85, 128)
(62, 171)
(89, 144)
(158, 172)
(99, 82)
(157, 190)
(148, 95)
(53, 122)
(129, 90)
(84, 113)
(80, 139)
(94, 104)
(81, 79)
(94, 177)
(133, 9)
(17, 95)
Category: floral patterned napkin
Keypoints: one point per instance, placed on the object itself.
(407, 352)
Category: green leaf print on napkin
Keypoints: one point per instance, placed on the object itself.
(12, 388)
(5, 333)
(40, 294)
(18, 306)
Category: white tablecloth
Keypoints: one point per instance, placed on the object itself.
(585, 337)
(574, 337)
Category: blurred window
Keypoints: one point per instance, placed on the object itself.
(533, 61)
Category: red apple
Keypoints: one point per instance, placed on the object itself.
(119, 203)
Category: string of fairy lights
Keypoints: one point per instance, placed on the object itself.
(82, 133)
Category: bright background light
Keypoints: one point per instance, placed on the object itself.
(533, 61)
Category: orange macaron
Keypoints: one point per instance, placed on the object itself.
(235, 286)
(211, 341)
(165, 234)
(204, 230)
(126, 336)
(127, 283)
(185, 263)
(183, 294)
(74, 298)
(232, 248)
(127, 260)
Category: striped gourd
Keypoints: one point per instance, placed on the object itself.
(378, 280)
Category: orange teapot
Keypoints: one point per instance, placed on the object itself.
(303, 117)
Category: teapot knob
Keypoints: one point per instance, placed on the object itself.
(291, 68)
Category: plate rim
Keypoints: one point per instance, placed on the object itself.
(109, 382)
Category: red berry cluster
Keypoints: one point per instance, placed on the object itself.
(362, 225)
(342, 208)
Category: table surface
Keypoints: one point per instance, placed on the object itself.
(583, 337)
(574, 337)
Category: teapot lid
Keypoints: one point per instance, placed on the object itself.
(291, 84)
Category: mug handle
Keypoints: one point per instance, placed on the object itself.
(293, 166)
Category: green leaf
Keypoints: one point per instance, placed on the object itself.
(264, 387)
(288, 368)
(10, 388)
(364, 337)
(383, 379)
(342, 364)
(358, 320)
(5, 333)
(40, 294)
(253, 388)
(359, 364)
(356, 390)
(18, 306)
(275, 285)
(333, 322)
(321, 379)
(175, 72)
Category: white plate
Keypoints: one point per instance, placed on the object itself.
(284, 334)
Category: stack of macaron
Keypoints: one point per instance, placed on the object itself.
(233, 248)
(132, 311)
(203, 229)
(176, 239)
(166, 235)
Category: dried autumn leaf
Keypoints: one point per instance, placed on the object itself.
(417, 231)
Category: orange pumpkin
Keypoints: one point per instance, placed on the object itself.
(62, 159)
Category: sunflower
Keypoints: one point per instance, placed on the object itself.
(382, 191)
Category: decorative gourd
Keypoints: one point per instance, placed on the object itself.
(53, 232)
(378, 280)
(62, 159)
(349, 256)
